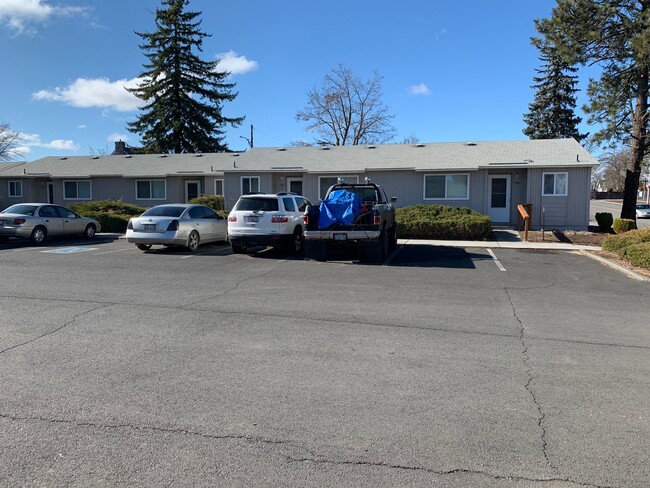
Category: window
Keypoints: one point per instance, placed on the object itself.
(257, 204)
(302, 204)
(289, 206)
(15, 188)
(218, 187)
(555, 184)
(150, 190)
(324, 182)
(250, 184)
(446, 187)
(76, 190)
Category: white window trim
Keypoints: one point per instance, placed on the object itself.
(356, 180)
(223, 189)
(424, 186)
(555, 194)
(151, 192)
(90, 188)
(241, 183)
(9, 189)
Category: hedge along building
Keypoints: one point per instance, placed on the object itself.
(489, 177)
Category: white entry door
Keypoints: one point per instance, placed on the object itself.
(192, 189)
(499, 198)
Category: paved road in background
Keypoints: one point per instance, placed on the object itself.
(441, 368)
(613, 207)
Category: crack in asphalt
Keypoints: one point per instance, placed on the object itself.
(315, 458)
(233, 288)
(54, 331)
(529, 384)
(184, 307)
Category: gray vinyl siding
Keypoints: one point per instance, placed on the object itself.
(232, 186)
(560, 212)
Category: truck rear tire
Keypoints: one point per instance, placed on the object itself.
(392, 237)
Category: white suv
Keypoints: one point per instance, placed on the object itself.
(267, 220)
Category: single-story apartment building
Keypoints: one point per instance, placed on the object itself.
(491, 177)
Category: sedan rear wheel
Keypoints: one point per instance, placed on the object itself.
(89, 233)
(193, 241)
(38, 235)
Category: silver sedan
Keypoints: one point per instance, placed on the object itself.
(178, 224)
(643, 211)
(37, 221)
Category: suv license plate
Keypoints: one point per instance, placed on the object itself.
(253, 218)
(340, 237)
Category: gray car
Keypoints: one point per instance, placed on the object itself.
(177, 224)
(37, 221)
(643, 211)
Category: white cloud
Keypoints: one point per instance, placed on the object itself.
(117, 137)
(236, 65)
(98, 93)
(34, 140)
(20, 14)
(420, 89)
(82, 126)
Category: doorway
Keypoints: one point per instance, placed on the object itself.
(499, 198)
(192, 189)
(294, 185)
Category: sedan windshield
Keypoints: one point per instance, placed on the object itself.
(164, 212)
(257, 204)
(21, 209)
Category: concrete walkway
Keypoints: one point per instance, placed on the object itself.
(505, 238)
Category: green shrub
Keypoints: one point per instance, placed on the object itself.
(107, 206)
(618, 242)
(111, 222)
(605, 221)
(215, 202)
(439, 222)
(638, 254)
(624, 225)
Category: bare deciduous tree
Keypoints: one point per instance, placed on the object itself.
(8, 142)
(613, 169)
(345, 110)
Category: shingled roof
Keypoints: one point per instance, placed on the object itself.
(439, 156)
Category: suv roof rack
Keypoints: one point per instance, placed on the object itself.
(282, 193)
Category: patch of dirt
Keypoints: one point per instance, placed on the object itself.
(589, 238)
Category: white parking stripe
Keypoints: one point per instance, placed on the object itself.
(219, 249)
(496, 261)
(110, 252)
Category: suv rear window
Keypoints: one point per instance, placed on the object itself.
(259, 204)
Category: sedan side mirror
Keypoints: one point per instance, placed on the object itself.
(393, 199)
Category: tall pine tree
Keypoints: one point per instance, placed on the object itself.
(552, 113)
(183, 94)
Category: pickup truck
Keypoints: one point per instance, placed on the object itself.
(352, 214)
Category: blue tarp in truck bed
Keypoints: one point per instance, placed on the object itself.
(341, 207)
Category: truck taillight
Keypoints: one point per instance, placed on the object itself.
(305, 219)
(279, 219)
(19, 221)
(377, 219)
(232, 219)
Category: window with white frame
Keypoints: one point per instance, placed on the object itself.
(218, 186)
(555, 184)
(324, 182)
(150, 190)
(15, 189)
(76, 190)
(250, 184)
(446, 187)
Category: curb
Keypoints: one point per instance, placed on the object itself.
(630, 273)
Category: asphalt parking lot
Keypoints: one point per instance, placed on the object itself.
(441, 367)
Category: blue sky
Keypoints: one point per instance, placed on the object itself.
(453, 71)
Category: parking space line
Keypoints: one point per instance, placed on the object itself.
(496, 260)
(205, 252)
(110, 252)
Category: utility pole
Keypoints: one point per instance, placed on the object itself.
(249, 141)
